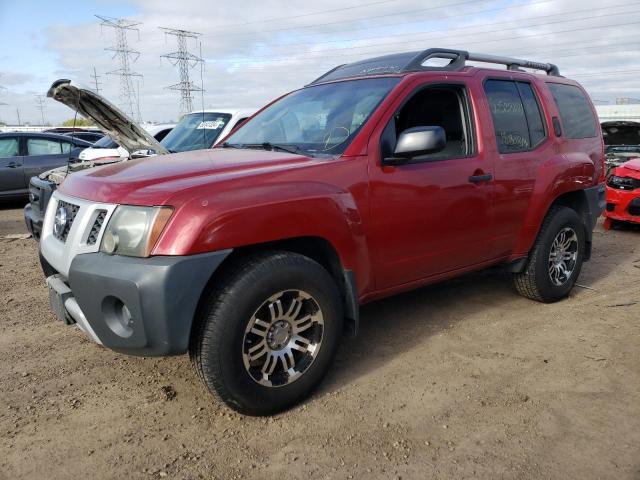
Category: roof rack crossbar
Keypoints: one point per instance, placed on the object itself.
(459, 57)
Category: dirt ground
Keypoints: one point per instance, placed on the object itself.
(460, 380)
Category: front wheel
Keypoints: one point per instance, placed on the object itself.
(268, 333)
(556, 258)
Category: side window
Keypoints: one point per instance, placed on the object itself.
(43, 146)
(442, 106)
(8, 147)
(66, 147)
(575, 112)
(537, 131)
(508, 113)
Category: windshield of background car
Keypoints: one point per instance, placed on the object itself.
(196, 131)
(105, 142)
(317, 120)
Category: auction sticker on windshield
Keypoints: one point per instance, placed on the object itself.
(211, 125)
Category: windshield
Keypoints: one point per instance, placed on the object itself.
(196, 131)
(318, 120)
(105, 142)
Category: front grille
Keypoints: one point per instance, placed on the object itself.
(97, 226)
(61, 226)
(634, 207)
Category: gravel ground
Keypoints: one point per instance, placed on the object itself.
(460, 380)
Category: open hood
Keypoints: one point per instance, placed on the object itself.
(621, 133)
(107, 116)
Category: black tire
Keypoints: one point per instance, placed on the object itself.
(218, 339)
(535, 281)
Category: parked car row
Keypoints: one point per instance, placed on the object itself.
(378, 177)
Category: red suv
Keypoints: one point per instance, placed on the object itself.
(378, 177)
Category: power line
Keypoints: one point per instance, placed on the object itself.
(95, 77)
(289, 17)
(330, 55)
(407, 12)
(466, 27)
(457, 35)
(125, 56)
(184, 60)
(40, 106)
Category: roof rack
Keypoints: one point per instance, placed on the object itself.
(414, 62)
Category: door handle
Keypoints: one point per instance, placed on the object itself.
(13, 165)
(480, 178)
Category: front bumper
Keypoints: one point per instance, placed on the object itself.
(137, 306)
(623, 205)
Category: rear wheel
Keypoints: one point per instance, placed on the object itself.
(556, 258)
(267, 335)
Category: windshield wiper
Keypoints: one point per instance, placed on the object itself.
(274, 146)
(230, 145)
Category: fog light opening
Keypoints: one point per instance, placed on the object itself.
(118, 317)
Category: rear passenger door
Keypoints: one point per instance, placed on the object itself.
(44, 154)
(522, 143)
(11, 173)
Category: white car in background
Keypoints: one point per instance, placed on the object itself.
(204, 128)
(108, 149)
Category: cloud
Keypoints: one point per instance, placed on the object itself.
(258, 50)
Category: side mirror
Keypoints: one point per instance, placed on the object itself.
(417, 141)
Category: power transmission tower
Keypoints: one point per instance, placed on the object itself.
(41, 106)
(126, 57)
(95, 77)
(184, 60)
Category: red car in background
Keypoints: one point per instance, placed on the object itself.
(623, 194)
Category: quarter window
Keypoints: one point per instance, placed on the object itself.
(517, 119)
(575, 112)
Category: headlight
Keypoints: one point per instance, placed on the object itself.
(133, 231)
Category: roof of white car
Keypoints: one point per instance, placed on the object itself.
(240, 112)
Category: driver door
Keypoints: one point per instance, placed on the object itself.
(11, 166)
(432, 215)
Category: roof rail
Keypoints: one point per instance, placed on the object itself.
(414, 62)
(459, 58)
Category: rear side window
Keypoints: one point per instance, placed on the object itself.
(517, 119)
(43, 146)
(575, 112)
(8, 147)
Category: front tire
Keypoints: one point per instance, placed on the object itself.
(267, 334)
(556, 258)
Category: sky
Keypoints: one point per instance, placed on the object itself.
(255, 51)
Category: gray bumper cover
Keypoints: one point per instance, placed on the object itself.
(160, 293)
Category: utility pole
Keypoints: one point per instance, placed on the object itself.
(41, 106)
(126, 57)
(184, 60)
(18, 112)
(95, 77)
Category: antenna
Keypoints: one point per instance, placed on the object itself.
(41, 106)
(95, 77)
(18, 112)
(184, 60)
(126, 57)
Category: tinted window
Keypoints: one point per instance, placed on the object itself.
(508, 113)
(105, 142)
(532, 111)
(8, 147)
(43, 146)
(66, 147)
(575, 112)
